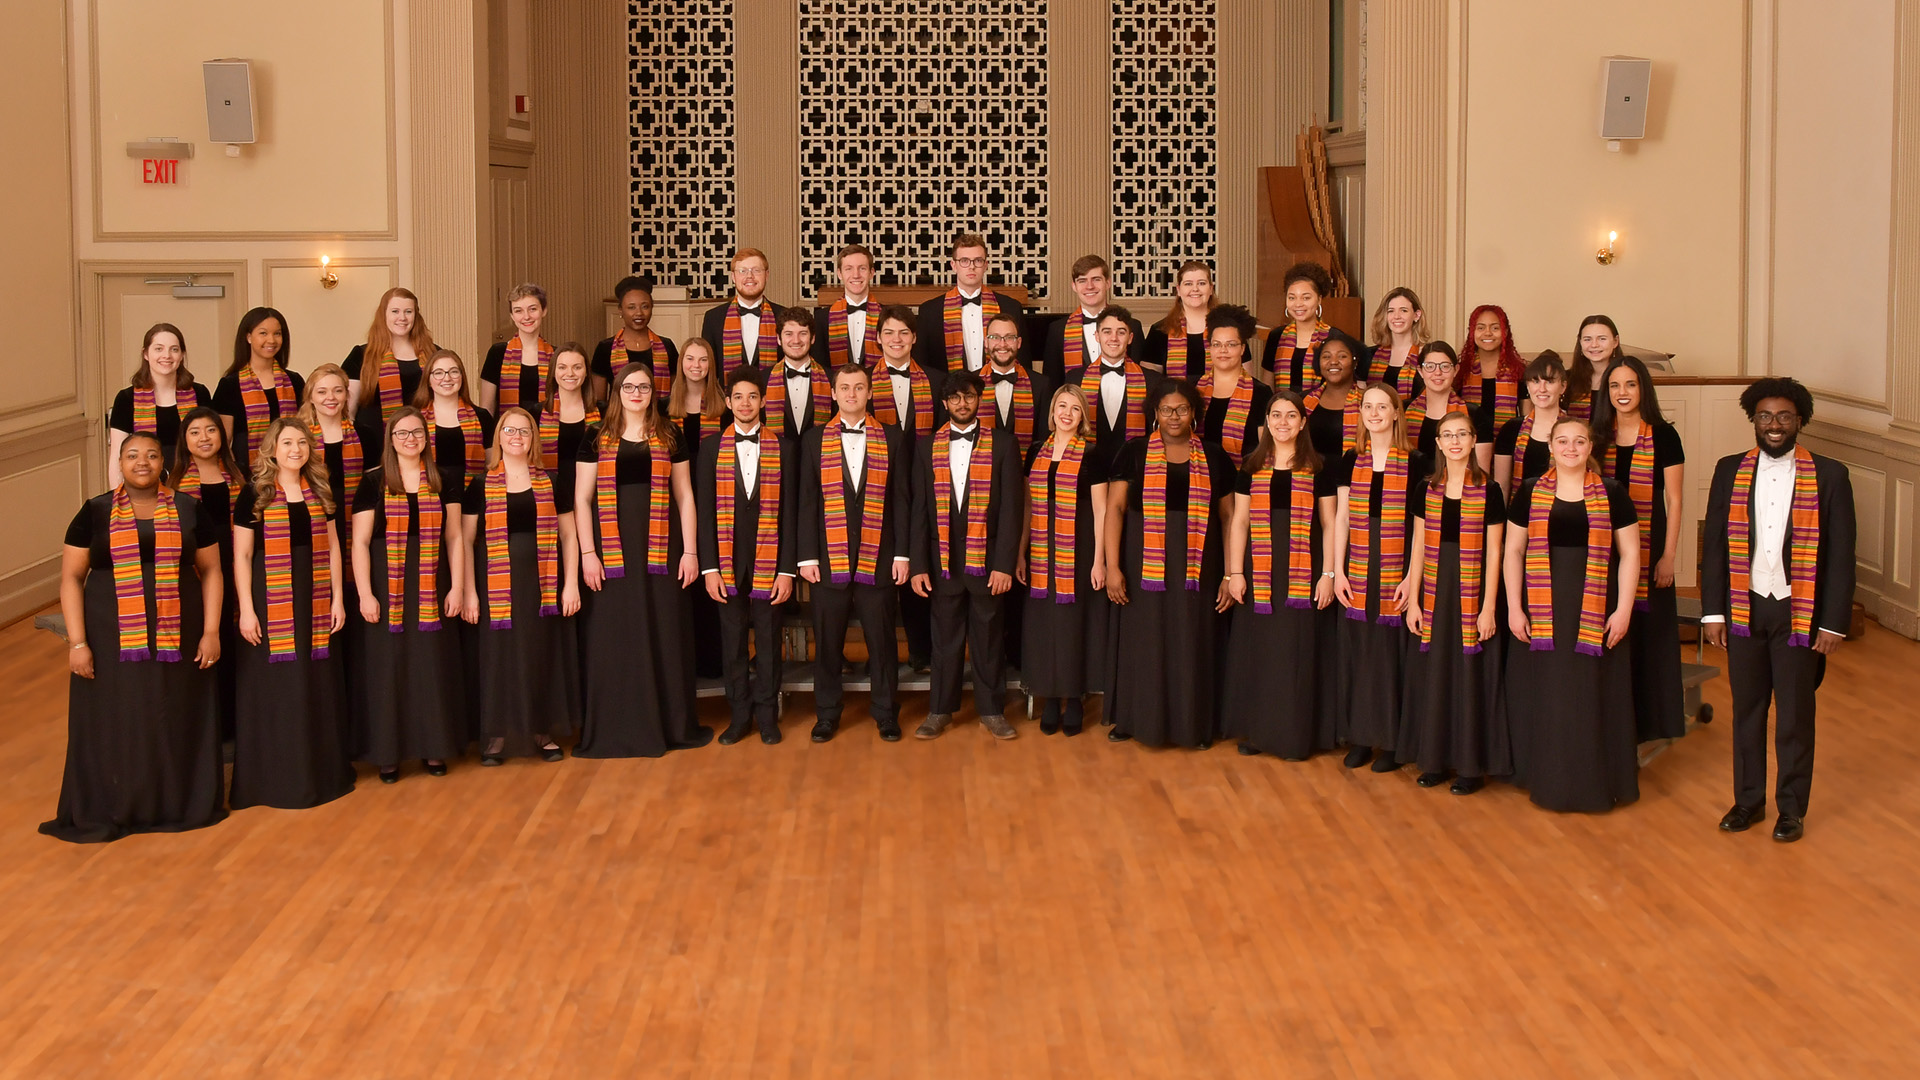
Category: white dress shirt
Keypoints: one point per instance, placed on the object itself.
(857, 331)
(960, 460)
(1113, 392)
(746, 456)
(853, 445)
(902, 395)
(1002, 395)
(749, 328)
(1089, 332)
(799, 393)
(1767, 525)
(973, 330)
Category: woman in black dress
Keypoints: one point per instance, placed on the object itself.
(699, 405)
(1333, 402)
(1290, 349)
(1520, 450)
(1069, 619)
(1438, 396)
(514, 372)
(460, 432)
(634, 341)
(523, 587)
(1642, 453)
(1165, 535)
(1452, 718)
(633, 512)
(1573, 553)
(1597, 346)
(1283, 511)
(1381, 486)
(161, 391)
(203, 468)
(384, 373)
(143, 745)
(1177, 345)
(568, 414)
(257, 388)
(327, 419)
(1235, 399)
(290, 743)
(408, 687)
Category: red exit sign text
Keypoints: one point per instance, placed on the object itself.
(159, 171)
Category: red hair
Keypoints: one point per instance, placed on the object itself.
(1511, 366)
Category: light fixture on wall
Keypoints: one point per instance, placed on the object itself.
(1605, 255)
(328, 279)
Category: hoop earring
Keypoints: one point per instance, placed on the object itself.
(1319, 311)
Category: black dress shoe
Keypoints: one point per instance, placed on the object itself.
(389, 776)
(1788, 829)
(489, 760)
(889, 729)
(1247, 749)
(1070, 730)
(823, 730)
(1431, 779)
(552, 753)
(1467, 785)
(735, 732)
(1385, 763)
(1049, 724)
(1742, 818)
(1357, 756)
(1116, 735)
(769, 733)
(435, 770)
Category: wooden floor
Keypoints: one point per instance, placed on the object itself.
(1042, 907)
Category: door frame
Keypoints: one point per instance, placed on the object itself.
(94, 377)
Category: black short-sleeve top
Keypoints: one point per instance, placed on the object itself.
(601, 363)
(1667, 452)
(1247, 435)
(1567, 522)
(1429, 441)
(531, 388)
(90, 529)
(299, 520)
(1532, 462)
(450, 448)
(1130, 466)
(523, 510)
(1159, 345)
(410, 373)
(634, 465)
(1493, 511)
(372, 496)
(166, 418)
(1418, 469)
(228, 402)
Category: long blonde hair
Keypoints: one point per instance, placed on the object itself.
(1378, 327)
(1072, 390)
(712, 397)
(1397, 434)
(266, 471)
(309, 415)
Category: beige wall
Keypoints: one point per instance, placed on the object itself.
(1541, 189)
(43, 436)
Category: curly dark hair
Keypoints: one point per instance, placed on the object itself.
(1166, 389)
(1232, 317)
(1310, 272)
(1779, 386)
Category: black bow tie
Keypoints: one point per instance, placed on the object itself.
(861, 430)
(1000, 377)
(962, 436)
(1113, 369)
(753, 311)
(974, 300)
(753, 438)
(797, 373)
(903, 372)
(851, 308)
(1088, 320)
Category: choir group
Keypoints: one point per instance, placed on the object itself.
(1455, 560)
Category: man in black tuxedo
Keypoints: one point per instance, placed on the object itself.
(737, 580)
(799, 391)
(851, 444)
(966, 308)
(751, 309)
(1091, 282)
(856, 311)
(907, 395)
(1113, 384)
(1771, 654)
(966, 599)
(1006, 378)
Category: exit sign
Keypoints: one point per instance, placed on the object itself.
(159, 171)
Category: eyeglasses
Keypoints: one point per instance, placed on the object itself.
(1174, 411)
(517, 432)
(409, 434)
(980, 261)
(1437, 367)
(1002, 339)
(1454, 436)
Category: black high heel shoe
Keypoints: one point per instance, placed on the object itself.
(1050, 717)
(390, 776)
(435, 768)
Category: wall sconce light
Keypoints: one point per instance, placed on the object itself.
(328, 279)
(1605, 255)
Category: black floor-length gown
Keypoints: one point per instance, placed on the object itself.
(292, 737)
(1659, 697)
(636, 634)
(1570, 714)
(408, 688)
(527, 675)
(1066, 649)
(143, 742)
(216, 508)
(1453, 716)
(1371, 675)
(1164, 673)
(1271, 686)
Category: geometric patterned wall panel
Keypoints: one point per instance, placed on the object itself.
(920, 119)
(1166, 190)
(681, 152)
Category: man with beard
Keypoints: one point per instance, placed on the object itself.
(1778, 574)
